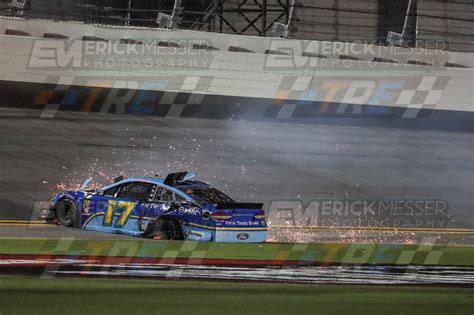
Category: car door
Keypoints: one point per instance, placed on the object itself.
(118, 208)
(95, 207)
(159, 203)
(125, 211)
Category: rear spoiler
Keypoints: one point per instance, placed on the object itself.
(173, 178)
(238, 205)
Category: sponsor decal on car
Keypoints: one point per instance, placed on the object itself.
(153, 206)
(206, 215)
(242, 236)
(192, 211)
(86, 207)
(194, 233)
(243, 223)
(141, 224)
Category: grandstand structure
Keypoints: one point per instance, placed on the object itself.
(439, 24)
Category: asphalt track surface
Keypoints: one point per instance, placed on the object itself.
(251, 161)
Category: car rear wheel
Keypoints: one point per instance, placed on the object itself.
(166, 229)
(67, 213)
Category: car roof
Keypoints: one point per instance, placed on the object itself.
(149, 180)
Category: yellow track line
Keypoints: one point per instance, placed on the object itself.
(22, 223)
(305, 228)
(26, 225)
(19, 221)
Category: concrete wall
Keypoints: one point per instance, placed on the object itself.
(37, 28)
(255, 75)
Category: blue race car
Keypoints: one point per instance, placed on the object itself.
(174, 208)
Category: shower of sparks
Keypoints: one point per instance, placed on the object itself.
(158, 155)
(356, 235)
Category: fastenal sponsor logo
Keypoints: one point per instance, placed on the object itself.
(357, 212)
(60, 54)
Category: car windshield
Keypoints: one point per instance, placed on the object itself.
(206, 194)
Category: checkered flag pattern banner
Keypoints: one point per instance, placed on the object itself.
(296, 97)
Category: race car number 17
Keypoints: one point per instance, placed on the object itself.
(122, 209)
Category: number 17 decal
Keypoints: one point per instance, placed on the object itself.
(121, 208)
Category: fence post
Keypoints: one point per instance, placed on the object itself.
(409, 32)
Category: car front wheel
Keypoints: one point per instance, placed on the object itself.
(67, 213)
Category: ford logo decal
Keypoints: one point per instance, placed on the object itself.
(242, 236)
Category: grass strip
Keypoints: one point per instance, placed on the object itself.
(330, 253)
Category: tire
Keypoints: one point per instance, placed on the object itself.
(166, 229)
(67, 213)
